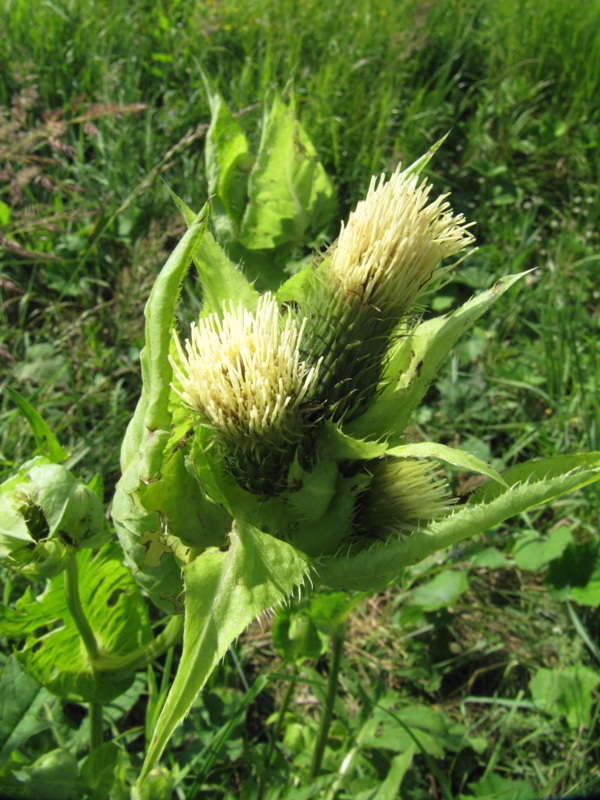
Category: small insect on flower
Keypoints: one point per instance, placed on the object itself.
(388, 252)
(243, 372)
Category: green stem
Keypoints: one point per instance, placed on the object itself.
(141, 657)
(337, 645)
(96, 726)
(74, 605)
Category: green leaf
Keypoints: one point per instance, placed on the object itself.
(228, 164)
(225, 591)
(342, 447)
(566, 693)
(14, 533)
(439, 592)
(21, 701)
(153, 556)
(450, 455)
(414, 362)
(46, 441)
(53, 776)
(542, 469)
(5, 214)
(489, 558)
(98, 771)
(288, 191)
(52, 652)
(390, 787)
(296, 287)
(434, 731)
(381, 564)
(148, 430)
(330, 610)
(295, 635)
(222, 281)
(576, 574)
(533, 551)
(495, 787)
(419, 165)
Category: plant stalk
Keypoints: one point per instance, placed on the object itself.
(141, 657)
(337, 645)
(76, 609)
(96, 726)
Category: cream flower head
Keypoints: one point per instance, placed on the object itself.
(389, 250)
(243, 372)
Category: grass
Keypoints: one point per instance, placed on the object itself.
(100, 101)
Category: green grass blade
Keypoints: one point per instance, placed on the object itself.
(46, 441)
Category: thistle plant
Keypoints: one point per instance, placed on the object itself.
(268, 449)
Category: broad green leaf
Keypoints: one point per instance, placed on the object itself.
(46, 441)
(52, 651)
(225, 591)
(148, 429)
(222, 282)
(53, 776)
(496, 787)
(21, 701)
(98, 771)
(316, 489)
(566, 693)
(330, 610)
(533, 551)
(295, 288)
(439, 592)
(434, 731)
(228, 164)
(295, 635)
(458, 458)
(390, 788)
(288, 191)
(159, 313)
(153, 555)
(381, 564)
(14, 533)
(414, 362)
(576, 574)
(489, 558)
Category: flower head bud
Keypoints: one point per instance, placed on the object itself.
(44, 513)
(404, 493)
(388, 252)
(244, 374)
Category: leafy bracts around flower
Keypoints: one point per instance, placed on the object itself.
(45, 514)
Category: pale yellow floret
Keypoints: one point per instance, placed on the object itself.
(243, 371)
(389, 250)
